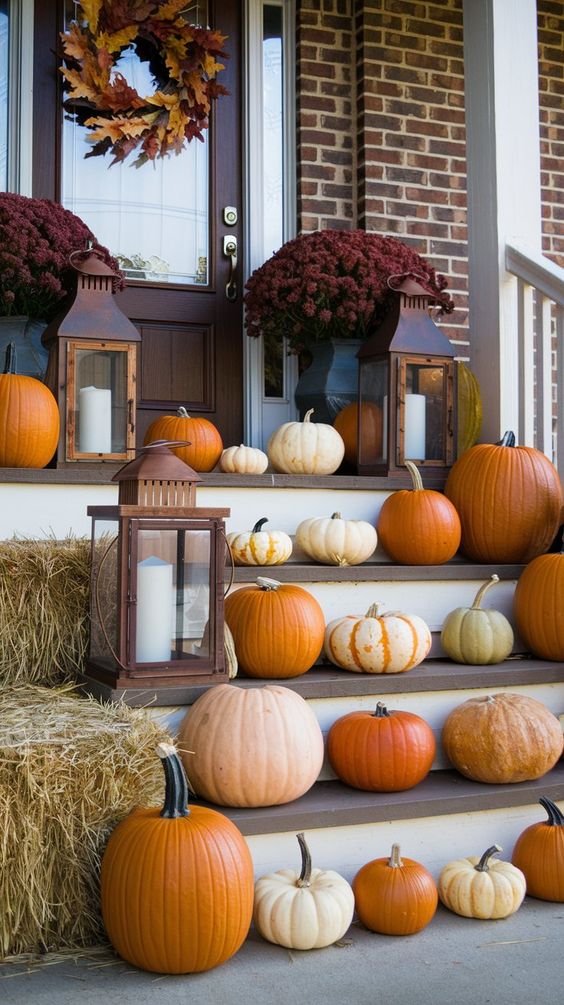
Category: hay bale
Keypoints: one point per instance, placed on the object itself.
(44, 609)
(70, 769)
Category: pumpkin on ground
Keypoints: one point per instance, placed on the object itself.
(482, 888)
(346, 423)
(395, 896)
(390, 642)
(502, 738)
(177, 883)
(253, 746)
(538, 604)
(260, 547)
(29, 418)
(508, 499)
(243, 460)
(381, 751)
(334, 541)
(277, 628)
(305, 448)
(472, 635)
(204, 443)
(539, 853)
(306, 910)
(419, 526)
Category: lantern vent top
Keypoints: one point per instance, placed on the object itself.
(157, 477)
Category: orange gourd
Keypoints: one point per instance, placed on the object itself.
(205, 445)
(539, 854)
(346, 423)
(395, 896)
(29, 418)
(508, 499)
(278, 629)
(538, 605)
(381, 751)
(419, 526)
(177, 883)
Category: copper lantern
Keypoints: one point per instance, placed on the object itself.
(407, 392)
(92, 369)
(157, 579)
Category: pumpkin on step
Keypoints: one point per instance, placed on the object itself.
(539, 853)
(334, 541)
(177, 883)
(419, 526)
(471, 635)
(538, 604)
(482, 888)
(306, 448)
(395, 896)
(243, 460)
(390, 642)
(260, 547)
(204, 443)
(29, 418)
(306, 910)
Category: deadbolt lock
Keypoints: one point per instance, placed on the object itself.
(230, 215)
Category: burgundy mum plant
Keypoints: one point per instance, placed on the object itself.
(36, 238)
(332, 284)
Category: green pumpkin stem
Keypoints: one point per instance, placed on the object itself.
(507, 440)
(372, 611)
(555, 816)
(415, 476)
(381, 711)
(176, 784)
(483, 864)
(304, 879)
(259, 525)
(395, 861)
(483, 590)
(10, 364)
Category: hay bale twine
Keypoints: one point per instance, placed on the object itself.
(70, 770)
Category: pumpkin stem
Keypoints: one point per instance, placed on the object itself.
(309, 413)
(182, 412)
(381, 711)
(555, 816)
(415, 475)
(372, 611)
(304, 878)
(336, 516)
(268, 584)
(259, 525)
(483, 864)
(176, 784)
(395, 861)
(10, 364)
(483, 590)
(507, 440)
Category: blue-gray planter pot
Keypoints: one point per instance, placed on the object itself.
(331, 381)
(31, 355)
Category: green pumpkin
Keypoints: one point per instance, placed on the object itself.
(471, 635)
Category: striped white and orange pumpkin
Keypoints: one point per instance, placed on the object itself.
(260, 547)
(391, 642)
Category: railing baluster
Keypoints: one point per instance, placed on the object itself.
(544, 374)
(526, 371)
(560, 390)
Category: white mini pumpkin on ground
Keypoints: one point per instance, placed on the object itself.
(391, 642)
(306, 910)
(260, 547)
(306, 448)
(481, 888)
(334, 541)
(243, 460)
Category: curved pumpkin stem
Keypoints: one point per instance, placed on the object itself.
(381, 711)
(507, 440)
(416, 479)
(268, 584)
(259, 525)
(182, 412)
(176, 784)
(309, 413)
(10, 364)
(555, 816)
(483, 864)
(372, 611)
(395, 861)
(304, 878)
(483, 590)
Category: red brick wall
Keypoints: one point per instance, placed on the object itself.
(551, 88)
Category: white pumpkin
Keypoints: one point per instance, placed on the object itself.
(481, 888)
(243, 460)
(308, 910)
(260, 547)
(391, 642)
(334, 541)
(306, 448)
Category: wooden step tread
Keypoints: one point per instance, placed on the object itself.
(368, 572)
(332, 804)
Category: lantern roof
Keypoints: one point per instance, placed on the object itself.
(157, 462)
(407, 326)
(90, 263)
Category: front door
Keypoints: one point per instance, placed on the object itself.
(172, 223)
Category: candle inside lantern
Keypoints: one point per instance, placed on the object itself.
(414, 441)
(94, 420)
(154, 610)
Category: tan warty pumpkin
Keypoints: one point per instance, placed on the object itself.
(391, 642)
(477, 887)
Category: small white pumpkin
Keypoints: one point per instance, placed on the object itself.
(243, 460)
(306, 911)
(480, 888)
(334, 541)
(391, 642)
(306, 448)
(260, 547)
(471, 635)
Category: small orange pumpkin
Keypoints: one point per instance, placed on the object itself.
(419, 526)
(538, 606)
(346, 423)
(395, 896)
(539, 854)
(29, 418)
(204, 447)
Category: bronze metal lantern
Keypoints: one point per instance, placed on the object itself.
(407, 393)
(92, 369)
(157, 579)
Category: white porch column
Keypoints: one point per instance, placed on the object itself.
(504, 201)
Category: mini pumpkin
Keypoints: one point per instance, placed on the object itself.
(482, 888)
(419, 526)
(472, 635)
(539, 853)
(334, 541)
(390, 642)
(29, 418)
(538, 605)
(395, 896)
(204, 443)
(306, 910)
(260, 547)
(306, 448)
(243, 460)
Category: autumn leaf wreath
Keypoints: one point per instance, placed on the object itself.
(182, 58)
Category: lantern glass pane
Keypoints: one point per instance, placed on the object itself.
(104, 589)
(373, 405)
(425, 411)
(100, 400)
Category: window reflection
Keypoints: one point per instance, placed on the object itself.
(4, 49)
(273, 165)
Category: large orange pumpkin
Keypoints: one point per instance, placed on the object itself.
(177, 883)
(508, 499)
(346, 423)
(539, 854)
(205, 445)
(277, 628)
(538, 605)
(419, 526)
(29, 418)
(395, 896)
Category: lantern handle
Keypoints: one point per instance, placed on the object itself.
(232, 575)
(407, 275)
(99, 609)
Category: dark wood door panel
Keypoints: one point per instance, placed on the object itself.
(176, 367)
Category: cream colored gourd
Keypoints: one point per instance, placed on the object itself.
(391, 642)
(243, 460)
(306, 910)
(260, 547)
(334, 541)
(306, 448)
(481, 888)
(472, 635)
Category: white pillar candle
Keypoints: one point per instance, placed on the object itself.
(154, 608)
(414, 441)
(94, 420)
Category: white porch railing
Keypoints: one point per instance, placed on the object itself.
(540, 313)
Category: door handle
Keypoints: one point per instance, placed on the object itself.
(230, 251)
